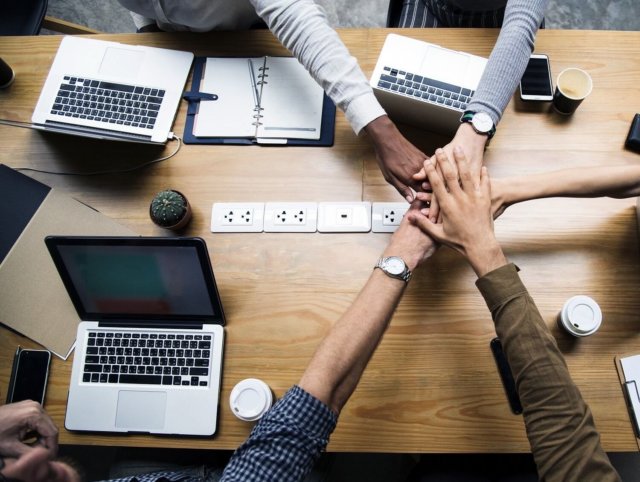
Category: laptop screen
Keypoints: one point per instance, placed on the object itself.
(138, 278)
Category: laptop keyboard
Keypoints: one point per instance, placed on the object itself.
(424, 89)
(108, 102)
(147, 358)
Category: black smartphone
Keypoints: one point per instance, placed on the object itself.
(506, 376)
(535, 84)
(29, 375)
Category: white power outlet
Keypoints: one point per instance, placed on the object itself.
(294, 217)
(237, 218)
(344, 217)
(386, 217)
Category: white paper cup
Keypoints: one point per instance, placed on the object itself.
(580, 316)
(250, 399)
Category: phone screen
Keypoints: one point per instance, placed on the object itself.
(536, 80)
(30, 376)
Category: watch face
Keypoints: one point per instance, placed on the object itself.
(394, 265)
(482, 122)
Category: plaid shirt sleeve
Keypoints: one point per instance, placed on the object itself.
(286, 443)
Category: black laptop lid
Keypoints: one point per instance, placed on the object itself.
(145, 280)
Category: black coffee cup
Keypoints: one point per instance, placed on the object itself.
(6, 74)
(572, 87)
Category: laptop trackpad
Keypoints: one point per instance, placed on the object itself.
(141, 410)
(121, 63)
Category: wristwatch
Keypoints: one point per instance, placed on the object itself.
(394, 267)
(480, 121)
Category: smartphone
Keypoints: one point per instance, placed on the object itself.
(506, 376)
(29, 375)
(536, 81)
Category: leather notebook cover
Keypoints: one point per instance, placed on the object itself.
(33, 300)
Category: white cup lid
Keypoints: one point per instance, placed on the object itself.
(582, 314)
(250, 399)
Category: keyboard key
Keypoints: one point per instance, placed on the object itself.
(141, 379)
(198, 371)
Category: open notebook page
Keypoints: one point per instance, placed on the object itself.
(291, 101)
(232, 114)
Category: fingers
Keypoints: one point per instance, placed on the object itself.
(485, 182)
(404, 190)
(425, 225)
(449, 172)
(39, 422)
(434, 210)
(437, 183)
(467, 179)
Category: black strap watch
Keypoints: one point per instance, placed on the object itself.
(480, 121)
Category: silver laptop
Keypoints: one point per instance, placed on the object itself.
(109, 90)
(148, 353)
(425, 85)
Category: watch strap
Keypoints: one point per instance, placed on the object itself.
(467, 116)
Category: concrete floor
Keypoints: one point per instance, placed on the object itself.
(110, 16)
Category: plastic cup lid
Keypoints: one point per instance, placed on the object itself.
(582, 315)
(250, 399)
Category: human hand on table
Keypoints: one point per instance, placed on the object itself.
(472, 144)
(409, 242)
(398, 159)
(20, 420)
(32, 462)
(465, 201)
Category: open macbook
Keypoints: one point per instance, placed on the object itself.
(109, 90)
(425, 85)
(149, 347)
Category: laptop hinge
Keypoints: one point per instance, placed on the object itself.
(181, 325)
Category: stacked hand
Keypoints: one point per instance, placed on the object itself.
(465, 210)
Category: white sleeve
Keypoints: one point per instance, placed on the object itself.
(302, 27)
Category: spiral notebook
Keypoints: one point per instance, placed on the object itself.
(260, 100)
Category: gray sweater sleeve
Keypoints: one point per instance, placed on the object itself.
(509, 57)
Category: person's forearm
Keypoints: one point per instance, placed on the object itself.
(509, 57)
(303, 28)
(336, 367)
(616, 181)
(559, 424)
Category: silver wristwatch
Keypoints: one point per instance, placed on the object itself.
(395, 267)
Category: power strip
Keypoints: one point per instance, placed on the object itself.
(307, 217)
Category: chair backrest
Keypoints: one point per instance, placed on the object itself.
(393, 14)
(22, 17)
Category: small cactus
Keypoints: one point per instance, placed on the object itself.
(170, 209)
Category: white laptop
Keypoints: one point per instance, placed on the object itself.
(149, 347)
(425, 85)
(109, 90)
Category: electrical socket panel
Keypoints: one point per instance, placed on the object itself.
(344, 217)
(290, 217)
(386, 217)
(237, 218)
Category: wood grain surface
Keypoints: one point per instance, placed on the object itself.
(432, 385)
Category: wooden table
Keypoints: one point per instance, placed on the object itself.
(432, 385)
